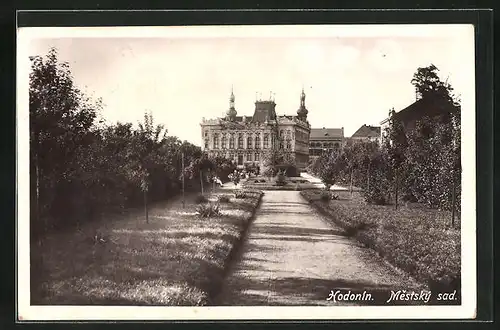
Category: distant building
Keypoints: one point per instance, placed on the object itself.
(423, 107)
(367, 133)
(245, 139)
(325, 139)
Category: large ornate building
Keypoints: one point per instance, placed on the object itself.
(246, 139)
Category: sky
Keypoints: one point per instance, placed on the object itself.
(350, 79)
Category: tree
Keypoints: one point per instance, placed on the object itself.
(329, 168)
(428, 85)
(396, 146)
(275, 160)
(61, 121)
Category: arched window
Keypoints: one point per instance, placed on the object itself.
(288, 144)
(240, 141)
(266, 141)
(257, 142)
(224, 142)
(216, 141)
(231, 142)
(249, 142)
(249, 157)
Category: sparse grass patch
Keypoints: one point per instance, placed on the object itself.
(416, 240)
(173, 260)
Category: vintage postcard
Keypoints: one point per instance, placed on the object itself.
(315, 172)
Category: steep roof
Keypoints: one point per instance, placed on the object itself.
(367, 131)
(264, 110)
(326, 133)
(430, 107)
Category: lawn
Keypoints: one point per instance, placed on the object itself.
(177, 258)
(415, 239)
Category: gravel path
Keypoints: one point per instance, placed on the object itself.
(292, 256)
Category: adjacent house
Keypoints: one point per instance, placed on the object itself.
(325, 139)
(367, 133)
(423, 107)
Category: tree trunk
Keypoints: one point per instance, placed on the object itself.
(396, 190)
(183, 186)
(350, 185)
(201, 181)
(37, 193)
(146, 206)
(368, 177)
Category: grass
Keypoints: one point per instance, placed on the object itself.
(176, 259)
(417, 240)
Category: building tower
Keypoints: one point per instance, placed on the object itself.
(302, 112)
(231, 113)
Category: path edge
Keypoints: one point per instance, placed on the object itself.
(233, 253)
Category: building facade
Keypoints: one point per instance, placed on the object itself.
(324, 140)
(246, 139)
(423, 107)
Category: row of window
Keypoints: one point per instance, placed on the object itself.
(324, 144)
(251, 143)
(317, 152)
(240, 158)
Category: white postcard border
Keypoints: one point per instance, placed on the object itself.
(468, 230)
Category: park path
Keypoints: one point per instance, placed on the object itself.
(292, 256)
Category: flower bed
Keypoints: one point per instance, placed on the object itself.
(416, 240)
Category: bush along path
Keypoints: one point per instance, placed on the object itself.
(178, 258)
(415, 240)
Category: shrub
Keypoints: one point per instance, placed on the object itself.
(353, 230)
(256, 181)
(199, 199)
(208, 210)
(263, 181)
(280, 179)
(223, 199)
(240, 194)
(325, 196)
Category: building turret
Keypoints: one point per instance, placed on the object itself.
(302, 112)
(231, 113)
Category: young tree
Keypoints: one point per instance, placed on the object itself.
(329, 168)
(396, 146)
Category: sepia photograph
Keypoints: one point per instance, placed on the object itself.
(246, 172)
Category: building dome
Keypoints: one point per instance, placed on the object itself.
(302, 112)
(231, 113)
